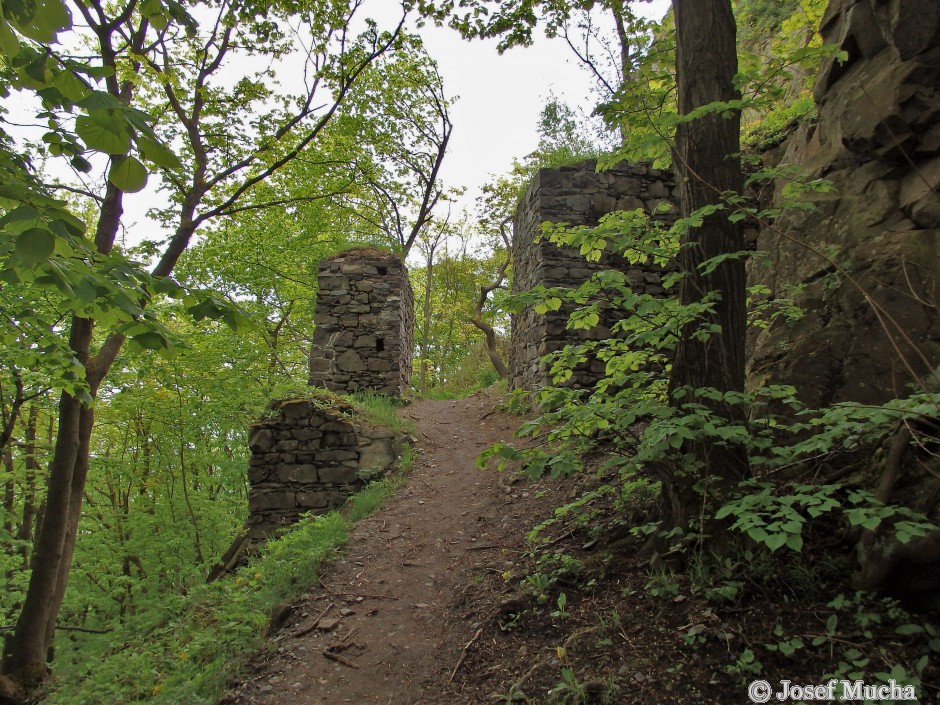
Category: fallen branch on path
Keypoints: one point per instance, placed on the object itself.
(338, 658)
(463, 655)
(316, 622)
(329, 593)
(493, 545)
(517, 686)
(334, 649)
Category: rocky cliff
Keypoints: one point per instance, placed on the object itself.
(864, 265)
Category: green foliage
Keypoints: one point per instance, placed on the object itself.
(568, 690)
(185, 650)
(456, 363)
(862, 635)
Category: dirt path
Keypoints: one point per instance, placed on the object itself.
(392, 631)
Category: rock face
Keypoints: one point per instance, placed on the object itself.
(310, 459)
(871, 320)
(577, 195)
(364, 324)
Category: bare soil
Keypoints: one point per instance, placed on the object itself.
(437, 600)
(391, 624)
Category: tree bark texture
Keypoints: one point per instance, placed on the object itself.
(707, 164)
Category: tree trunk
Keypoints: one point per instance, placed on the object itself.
(488, 333)
(707, 164)
(25, 650)
(426, 327)
(28, 517)
(490, 336)
(9, 497)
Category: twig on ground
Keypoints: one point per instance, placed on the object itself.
(528, 674)
(329, 593)
(316, 622)
(338, 658)
(463, 655)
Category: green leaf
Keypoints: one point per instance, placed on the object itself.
(109, 138)
(38, 19)
(158, 154)
(36, 69)
(34, 246)
(170, 287)
(95, 71)
(775, 541)
(909, 629)
(100, 100)
(128, 174)
(70, 86)
(81, 164)
(151, 340)
(9, 44)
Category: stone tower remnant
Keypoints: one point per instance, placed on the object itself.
(364, 324)
(577, 195)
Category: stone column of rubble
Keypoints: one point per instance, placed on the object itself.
(364, 324)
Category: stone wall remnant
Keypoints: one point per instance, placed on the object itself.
(309, 458)
(577, 195)
(364, 324)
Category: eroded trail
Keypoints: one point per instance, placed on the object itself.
(391, 630)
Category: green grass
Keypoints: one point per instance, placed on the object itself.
(187, 649)
(380, 410)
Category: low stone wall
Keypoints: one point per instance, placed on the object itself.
(577, 195)
(364, 324)
(309, 459)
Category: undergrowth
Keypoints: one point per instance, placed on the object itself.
(187, 650)
(834, 495)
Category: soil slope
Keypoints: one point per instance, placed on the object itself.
(385, 624)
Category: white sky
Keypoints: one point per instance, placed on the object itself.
(496, 116)
(501, 97)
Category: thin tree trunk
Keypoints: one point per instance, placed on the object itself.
(488, 333)
(426, 326)
(28, 517)
(8, 540)
(492, 353)
(25, 651)
(197, 534)
(707, 165)
(76, 494)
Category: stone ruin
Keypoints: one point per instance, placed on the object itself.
(310, 457)
(312, 453)
(577, 195)
(364, 324)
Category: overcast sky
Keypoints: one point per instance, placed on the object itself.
(501, 96)
(496, 115)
